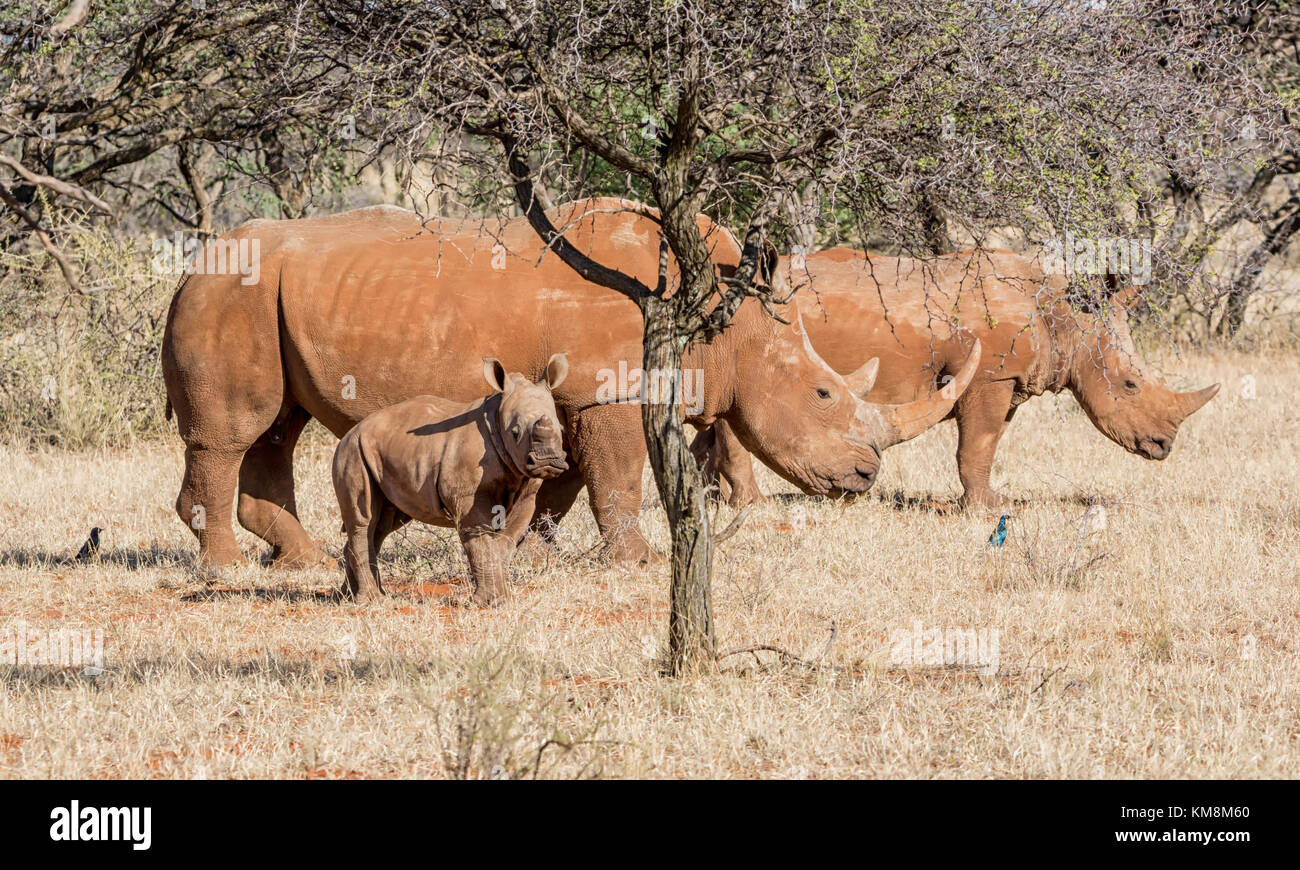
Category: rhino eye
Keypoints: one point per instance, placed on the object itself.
(514, 431)
(1129, 385)
(823, 393)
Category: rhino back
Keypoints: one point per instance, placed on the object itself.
(221, 345)
(917, 316)
(426, 454)
(372, 321)
(360, 310)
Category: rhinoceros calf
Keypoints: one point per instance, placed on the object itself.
(917, 316)
(472, 466)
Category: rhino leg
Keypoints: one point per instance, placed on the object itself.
(702, 450)
(982, 416)
(552, 503)
(611, 454)
(390, 520)
(489, 557)
(267, 506)
(360, 566)
(363, 505)
(554, 500)
(728, 460)
(207, 494)
(221, 365)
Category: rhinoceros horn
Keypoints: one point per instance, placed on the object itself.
(1190, 403)
(861, 381)
(907, 421)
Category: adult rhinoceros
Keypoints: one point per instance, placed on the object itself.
(361, 310)
(918, 316)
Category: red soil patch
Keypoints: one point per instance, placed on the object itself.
(785, 527)
(586, 680)
(583, 689)
(314, 654)
(230, 744)
(606, 617)
(430, 589)
(333, 773)
(10, 742)
(157, 760)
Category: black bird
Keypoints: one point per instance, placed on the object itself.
(90, 549)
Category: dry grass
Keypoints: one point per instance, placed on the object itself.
(1130, 665)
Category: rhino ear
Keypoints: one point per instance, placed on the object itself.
(494, 373)
(769, 270)
(861, 381)
(557, 369)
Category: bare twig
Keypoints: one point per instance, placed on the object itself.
(733, 526)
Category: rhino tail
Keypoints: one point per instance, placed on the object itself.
(167, 328)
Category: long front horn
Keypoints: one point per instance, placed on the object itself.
(1190, 403)
(905, 422)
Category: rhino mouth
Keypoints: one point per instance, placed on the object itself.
(546, 465)
(856, 482)
(1154, 448)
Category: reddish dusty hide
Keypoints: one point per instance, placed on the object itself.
(472, 466)
(362, 310)
(918, 317)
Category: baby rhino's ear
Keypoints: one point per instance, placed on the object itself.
(557, 369)
(494, 373)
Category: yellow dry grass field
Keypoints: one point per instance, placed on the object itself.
(1157, 636)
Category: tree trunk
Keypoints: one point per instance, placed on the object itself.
(191, 167)
(1247, 280)
(800, 208)
(934, 227)
(1234, 310)
(681, 488)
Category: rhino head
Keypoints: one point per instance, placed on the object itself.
(527, 421)
(810, 424)
(1127, 402)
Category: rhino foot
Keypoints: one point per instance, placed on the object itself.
(297, 559)
(633, 554)
(360, 596)
(483, 598)
(986, 499)
(744, 497)
(215, 575)
(212, 567)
